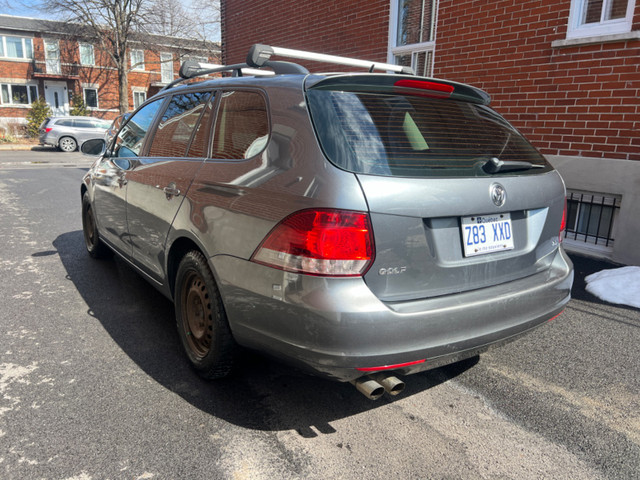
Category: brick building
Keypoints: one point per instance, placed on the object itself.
(565, 72)
(38, 59)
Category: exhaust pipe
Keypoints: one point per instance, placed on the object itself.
(391, 384)
(368, 387)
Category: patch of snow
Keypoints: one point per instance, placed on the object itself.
(618, 285)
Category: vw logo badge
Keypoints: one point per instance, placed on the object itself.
(498, 194)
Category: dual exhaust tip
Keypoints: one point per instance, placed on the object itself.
(375, 385)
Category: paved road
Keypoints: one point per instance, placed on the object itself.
(93, 383)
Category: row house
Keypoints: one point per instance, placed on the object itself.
(40, 58)
(564, 72)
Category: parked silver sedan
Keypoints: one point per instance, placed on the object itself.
(67, 133)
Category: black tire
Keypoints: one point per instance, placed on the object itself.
(201, 319)
(95, 247)
(67, 144)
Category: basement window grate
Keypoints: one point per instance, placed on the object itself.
(591, 218)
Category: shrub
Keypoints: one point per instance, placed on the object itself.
(39, 111)
(78, 107)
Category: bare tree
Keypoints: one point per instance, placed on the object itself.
(111, 24)
(196, 19)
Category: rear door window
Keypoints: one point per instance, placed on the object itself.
(178, 124)
(81, 123)
(414, 136)
(242, 126)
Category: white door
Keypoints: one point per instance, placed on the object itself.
(56, 97)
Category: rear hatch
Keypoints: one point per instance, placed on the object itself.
(459, 200)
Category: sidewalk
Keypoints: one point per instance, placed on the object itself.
(19, 146)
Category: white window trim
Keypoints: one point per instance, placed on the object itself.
(93, 54)
(3, 40)
(605, 28)
(166, 65)
(135, 90)
(84, 96)
(140, 65)
(393, 49)
(30, 100)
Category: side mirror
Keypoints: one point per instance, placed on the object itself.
(94, 147)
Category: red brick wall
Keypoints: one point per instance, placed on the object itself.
(105, 78)
(356, 28)
(580, 100)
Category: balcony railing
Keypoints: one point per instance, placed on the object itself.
(52, 69)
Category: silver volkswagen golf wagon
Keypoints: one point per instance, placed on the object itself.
(359, 226)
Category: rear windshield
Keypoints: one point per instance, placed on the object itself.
(415, 136)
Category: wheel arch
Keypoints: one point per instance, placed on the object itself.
(179, 248)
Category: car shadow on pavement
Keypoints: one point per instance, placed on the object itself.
(263, 394)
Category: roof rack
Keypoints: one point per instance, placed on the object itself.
(259, 56)
(192, 69)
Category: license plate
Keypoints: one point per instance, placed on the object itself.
(486, 234)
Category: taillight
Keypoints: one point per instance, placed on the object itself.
(320, 242)
(563, 223)
(48, 129)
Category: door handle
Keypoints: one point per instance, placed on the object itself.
(171, 191)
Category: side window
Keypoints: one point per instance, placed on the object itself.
(65, 123)
(242, 127)
(81, 123)
(178, 124)
(129, 141)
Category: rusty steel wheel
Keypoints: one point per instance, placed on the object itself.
(197, 315)
(201, 319)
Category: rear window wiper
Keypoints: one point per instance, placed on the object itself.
(493, 165)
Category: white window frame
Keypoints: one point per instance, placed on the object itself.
(27, 47)
(139, 92)
(89, 50)
(53, 64)
(577, 29)
(9, 87)
(137, 59)
(84, 96)
(413, 49)
(166, 67)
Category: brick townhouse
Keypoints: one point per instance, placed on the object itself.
(564, 72)
(38, 59)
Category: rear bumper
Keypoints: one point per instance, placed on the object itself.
(334, 326)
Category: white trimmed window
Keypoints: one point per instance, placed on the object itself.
(137, 59)
(87, 56)
(139, 97)
(412, 34)
(166, 67)
(16, 47)
(16, 94)
(590, 18)
(90, 95)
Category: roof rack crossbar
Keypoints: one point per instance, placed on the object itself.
(260, 54)
(191, 69)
